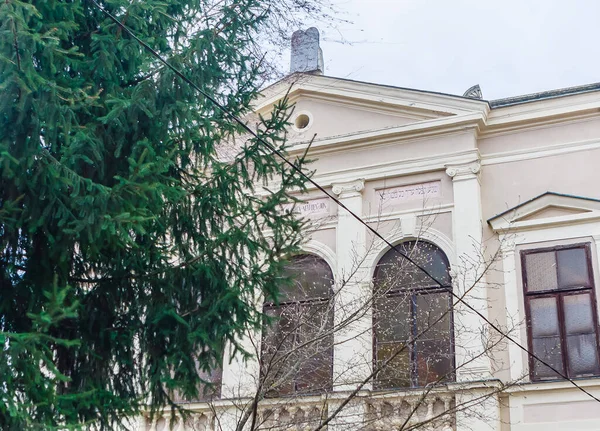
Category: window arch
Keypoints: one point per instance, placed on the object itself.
(412, 319)
(297, 343)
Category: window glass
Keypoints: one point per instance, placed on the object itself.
(572, 268)
(549, 350)
(434, 361)
(578, 314)
(310, 278)
(297, 344)
(544, 317)
(395, 271)
(433, 315)
(393, 317)
(413, 318)
(561, 311)
(541, 271)
(583, 354)
(393, 361)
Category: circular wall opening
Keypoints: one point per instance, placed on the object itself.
(302, 121)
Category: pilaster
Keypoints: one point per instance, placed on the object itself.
(468, 273)
(352, 352)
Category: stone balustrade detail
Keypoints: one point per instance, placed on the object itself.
(381, 412)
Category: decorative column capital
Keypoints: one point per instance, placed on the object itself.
(463, 171)
(349, 189)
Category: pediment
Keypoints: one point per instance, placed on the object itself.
(547, 209)
(338, 107)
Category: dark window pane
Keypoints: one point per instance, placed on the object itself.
(582, 352)
(279, 381)
(572, 268)
(396, 272)
(314, 374)
(278, 335)
(434, 361)
(541, 271)
(549, 350)
(310, 277)
(398, 320)
(578, 314)
(396, 373)
(393, 318)
(544, 317)
(316, 323)
(431, 308)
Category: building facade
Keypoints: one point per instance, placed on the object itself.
(500, 200)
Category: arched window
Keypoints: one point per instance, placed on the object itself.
(297, 343)
(412, 319)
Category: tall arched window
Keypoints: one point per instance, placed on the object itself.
(297, 343)
(412, 319)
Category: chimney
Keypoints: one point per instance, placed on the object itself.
(307, 55)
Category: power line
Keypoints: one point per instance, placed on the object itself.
(336, 200)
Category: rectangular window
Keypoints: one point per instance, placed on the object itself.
(561, 312)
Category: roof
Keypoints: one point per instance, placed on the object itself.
(568, 91)
(493, 104)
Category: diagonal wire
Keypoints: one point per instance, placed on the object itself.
(332, 197)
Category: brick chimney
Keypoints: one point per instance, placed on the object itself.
(307, 55)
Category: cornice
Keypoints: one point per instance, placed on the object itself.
(539, 152)
(335, 88)
(396, 168)
(372, 106)
(423, 129)
(541, 113)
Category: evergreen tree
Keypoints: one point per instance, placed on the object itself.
(131, 251)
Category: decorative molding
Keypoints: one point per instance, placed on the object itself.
(349, 189)
(464, 171)
(368, 93)
(585, 210)
(474, 92)
(430, 234)
(433, 210)
(444, 126)
(536, 153)
(323, 251)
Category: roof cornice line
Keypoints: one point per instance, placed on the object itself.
(294, 85)
(419, 130)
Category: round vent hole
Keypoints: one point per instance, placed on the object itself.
(302, 121)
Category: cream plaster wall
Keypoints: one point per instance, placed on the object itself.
(505, 185)
(541, 136)
(329, 118)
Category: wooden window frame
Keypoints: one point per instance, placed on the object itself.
(431, 289)
(559, 294)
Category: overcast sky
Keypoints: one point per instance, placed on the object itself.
(509, 47)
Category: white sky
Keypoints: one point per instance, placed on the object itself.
(508, 47)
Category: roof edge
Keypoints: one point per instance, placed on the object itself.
(503, 213)
(543, 95)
